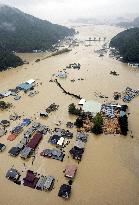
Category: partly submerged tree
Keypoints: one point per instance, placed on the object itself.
(98, 123)
(73, 110)
(123, 121)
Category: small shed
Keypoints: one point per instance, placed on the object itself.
(82, 101)
(61, 74)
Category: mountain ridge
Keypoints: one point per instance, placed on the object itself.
(23, 32)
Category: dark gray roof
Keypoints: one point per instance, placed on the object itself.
(13, 174)
(2, 147)
(25, 152)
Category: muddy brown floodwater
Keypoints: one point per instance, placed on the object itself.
(109, 171)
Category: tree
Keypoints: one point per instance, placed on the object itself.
(4, 105)
(79, 122)
(73, 110)
(98, 123)
(123, 121)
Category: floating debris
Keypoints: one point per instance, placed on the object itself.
(68, 93)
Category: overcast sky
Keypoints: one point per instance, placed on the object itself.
(62, 10)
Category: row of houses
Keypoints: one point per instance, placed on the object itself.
(79, 146)
(25, 86)
(32, 180)
(29, 142)
(43, 183)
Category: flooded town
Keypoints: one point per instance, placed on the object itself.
(47, 150)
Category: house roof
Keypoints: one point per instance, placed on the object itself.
(80, 144)
(48, 182)
(70, 171)
(82, 101)
(16, 130)
(25, 86)
(5, 122)
(6, 94)
(2, 132)
(92, 106)
(65, 191)
(61, 141)
(2, 147)
(30, 81)
(13, 173)
(11, 137)
(53, 153)
(35, 140)
(26, 122)
(41, 182)
(25, 152)
(30, 180)
(14, 151)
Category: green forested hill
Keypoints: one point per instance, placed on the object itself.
(8, 59)
(127, 42)
(23, 33)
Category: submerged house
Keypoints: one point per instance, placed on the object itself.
(65, 191)
(13, 175)
(26, 152)
(82, 136)
(53, 153)
(49, 183)
(2, 131)
(35, 141)
(2, 147)
(41, 182)
(17, 130)
(77, 153)
(70, 171)
(25, 122)
(25, 87)
(31, 179)
(14, 151)
(61, 74)
(5, 123)
(43, 114)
